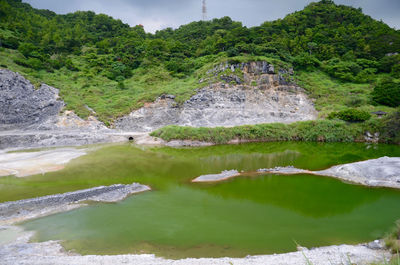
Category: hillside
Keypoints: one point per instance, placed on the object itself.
(105, 67)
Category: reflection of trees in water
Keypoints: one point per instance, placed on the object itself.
(252, 161)
(314, 156)
(308, 195)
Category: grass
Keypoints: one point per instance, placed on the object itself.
(392, 240)
(309, 131)
(88, 87)
(331, 94)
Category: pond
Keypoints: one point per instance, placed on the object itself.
(242, 216)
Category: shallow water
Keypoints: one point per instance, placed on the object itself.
(239, 217)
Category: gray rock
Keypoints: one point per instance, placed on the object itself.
(31, 208)
(381, 172)
(22, 106)
(32, 117)
(217, 177)
(273, 99)
(377, 244)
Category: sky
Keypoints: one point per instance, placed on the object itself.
(159, 14)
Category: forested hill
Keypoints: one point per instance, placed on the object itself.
(114, 68)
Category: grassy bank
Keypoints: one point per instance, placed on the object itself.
(331, 94)
(308, 131)
(392, 241)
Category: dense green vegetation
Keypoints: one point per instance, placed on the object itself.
(387, 92)
(309, 131)
(97, 61)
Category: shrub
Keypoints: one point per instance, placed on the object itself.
(34, 63)
(355, 101)
(350, 115)
(366, 75)
(11, 43)
(325, 131)
(396, 70)
(28, 50)
(391, 128)
(57, 63)
(344, 70)
(387, 92)
(21, 62)
(117, 71)
(364, 63)
(305, 61)
(386, 63)
(121, 85)
(70, 65)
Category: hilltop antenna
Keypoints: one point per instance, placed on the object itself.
(204, 9)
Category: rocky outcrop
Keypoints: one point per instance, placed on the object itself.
(224, 175)
(22, 106)
(32, 117)
(17, 211)
(248, 93)
(381, 172)
(35, 139)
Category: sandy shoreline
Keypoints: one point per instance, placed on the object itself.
(24, 164)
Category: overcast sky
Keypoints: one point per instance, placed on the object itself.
(159, 14)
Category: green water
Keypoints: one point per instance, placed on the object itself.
(239, 217)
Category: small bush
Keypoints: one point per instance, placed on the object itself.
(21, 62)
(70, 65)
(387, 62)
(306, 61)
(350, 115)
(387, 92)
(391, 128)
(396, 71)
(355, 102)
(121, 85)
(10, 43)
(34, 63)
(28, 50)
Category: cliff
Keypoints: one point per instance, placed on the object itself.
(233, 94)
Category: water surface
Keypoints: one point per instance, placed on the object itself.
(242, 216)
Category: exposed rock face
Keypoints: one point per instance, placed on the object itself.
(381, 172)
(23, 106)
(32, 117)
(251, 94)
(36, 139)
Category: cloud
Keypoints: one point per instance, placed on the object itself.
(159, 14)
